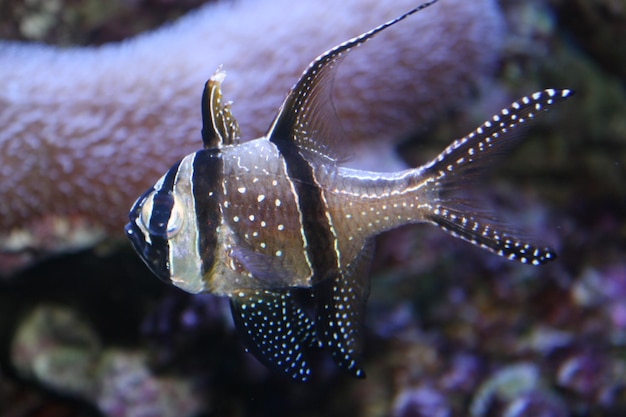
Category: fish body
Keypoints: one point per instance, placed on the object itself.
(258, 220)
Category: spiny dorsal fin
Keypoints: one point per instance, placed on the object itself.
(341, 312)
(275, 330)
(219, 128)
(467, 157)
(307, 116)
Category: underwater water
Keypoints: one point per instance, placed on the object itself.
(451, 330)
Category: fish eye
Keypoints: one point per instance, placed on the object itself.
(162, 215)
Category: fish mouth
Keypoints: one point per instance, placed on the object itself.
(154, 255)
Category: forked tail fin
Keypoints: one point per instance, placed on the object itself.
(467, 157)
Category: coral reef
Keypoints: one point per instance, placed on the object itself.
(597, 25)
(451, 331)
(55, 347)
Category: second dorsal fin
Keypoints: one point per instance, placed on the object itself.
(219, 128)
(307, 117)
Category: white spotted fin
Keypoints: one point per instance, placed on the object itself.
(466, 158)
(275, 330)
(341, 302)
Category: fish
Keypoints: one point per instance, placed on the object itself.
(284, 230)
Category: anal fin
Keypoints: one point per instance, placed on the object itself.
(275, 330)
(341, 302)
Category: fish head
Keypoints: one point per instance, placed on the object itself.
(162, 229)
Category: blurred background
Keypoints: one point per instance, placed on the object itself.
(451, 330)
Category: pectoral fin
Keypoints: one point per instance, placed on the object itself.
(270, 271)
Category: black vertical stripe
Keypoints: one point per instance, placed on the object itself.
(154, 249)
(209, 135)
(208, 175)
(163, 203)
(315, 224)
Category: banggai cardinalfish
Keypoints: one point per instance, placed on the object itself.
(261, 220)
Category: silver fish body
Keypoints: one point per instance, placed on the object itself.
(255, 221)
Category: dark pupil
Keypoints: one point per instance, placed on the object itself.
(161, 212)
